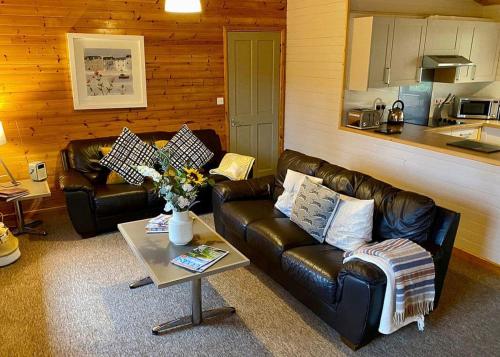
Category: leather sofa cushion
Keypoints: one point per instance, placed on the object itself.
(315, 268)
(398, 214)
(116, 199)
(295, 161)
(237, 215)
(270, 237)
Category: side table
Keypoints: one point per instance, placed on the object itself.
(36, 190)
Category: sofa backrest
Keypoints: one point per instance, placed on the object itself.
(398, 213)
(84, 155)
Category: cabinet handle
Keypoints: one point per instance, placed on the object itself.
(473, 75)
(419, 74)
(387, 75)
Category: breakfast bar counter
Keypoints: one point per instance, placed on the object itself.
(436, 139)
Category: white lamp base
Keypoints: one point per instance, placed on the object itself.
(11, 258)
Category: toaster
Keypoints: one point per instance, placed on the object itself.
(37, 170)
(363, 118)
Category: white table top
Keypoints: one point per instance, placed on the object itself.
(38, 189)
(155, 251)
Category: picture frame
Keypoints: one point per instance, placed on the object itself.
(107, 71)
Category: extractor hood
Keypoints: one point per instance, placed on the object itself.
(441, 61)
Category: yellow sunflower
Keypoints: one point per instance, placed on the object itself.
(194, 176)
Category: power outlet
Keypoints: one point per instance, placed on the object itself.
(220, 100)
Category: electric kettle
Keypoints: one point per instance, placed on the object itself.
(396, 113)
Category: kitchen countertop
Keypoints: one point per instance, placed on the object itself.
(430, 138)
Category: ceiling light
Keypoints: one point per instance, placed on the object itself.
(183, 6)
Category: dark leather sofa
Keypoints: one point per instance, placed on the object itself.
(95, 207)
(349, 297)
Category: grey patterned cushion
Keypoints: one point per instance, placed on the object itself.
(314, 208)
(187, 150)
(129, 151)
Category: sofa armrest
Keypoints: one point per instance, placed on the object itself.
(72, 181)
(256, 188)
(360, 298)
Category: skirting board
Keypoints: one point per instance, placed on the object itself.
(493, 267)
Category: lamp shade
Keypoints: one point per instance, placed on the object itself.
(183, 6)
(3, 139)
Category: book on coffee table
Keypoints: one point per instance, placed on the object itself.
(200, 258)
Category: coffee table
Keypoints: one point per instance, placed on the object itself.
(155, 252)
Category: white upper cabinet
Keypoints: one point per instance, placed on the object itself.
(370, 56)
(443, 37)
(484, 52)
(407, 51)
(385, 51)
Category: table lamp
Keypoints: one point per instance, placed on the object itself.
(3, 141)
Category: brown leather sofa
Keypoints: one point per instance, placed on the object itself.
(95, 207)
(349, 297)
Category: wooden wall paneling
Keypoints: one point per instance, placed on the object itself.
(184, 70)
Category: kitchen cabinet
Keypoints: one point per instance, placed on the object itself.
(484, 52)
(407, 51)
(490, 135)
(443, 37)
(385, 51)
(477, 41)
(471, 134)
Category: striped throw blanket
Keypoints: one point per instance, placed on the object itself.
(412, 269)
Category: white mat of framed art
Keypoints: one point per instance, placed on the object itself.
(107, 71)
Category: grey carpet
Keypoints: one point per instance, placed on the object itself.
(68, 296)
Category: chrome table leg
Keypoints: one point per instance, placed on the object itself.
(142, 282)
(22, 227)
(197, 315)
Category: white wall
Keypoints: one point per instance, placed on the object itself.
(316, 31)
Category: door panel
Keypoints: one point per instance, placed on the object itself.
(443, 37)
(243, 73)
(265, 161)
(484, 52)
(254, 92)
(380, 52)
(407, 50)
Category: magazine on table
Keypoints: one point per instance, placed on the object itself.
(158, 224)
(200, 259)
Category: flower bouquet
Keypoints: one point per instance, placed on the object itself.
(180, 189)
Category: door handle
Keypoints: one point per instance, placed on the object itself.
(473, 75)
(234, 123)
(387, 75)
(420, 71)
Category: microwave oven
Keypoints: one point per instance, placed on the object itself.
(476, 108)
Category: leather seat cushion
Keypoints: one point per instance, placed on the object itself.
(315, 268)
(270, 237)
(117, 199)
(237, 215)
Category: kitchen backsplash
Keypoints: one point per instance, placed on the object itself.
(360, 99)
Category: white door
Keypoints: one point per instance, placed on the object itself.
(484, 52)
(407, 51)
(380, 52)
(443, 37)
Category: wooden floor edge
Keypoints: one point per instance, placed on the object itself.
(491, 266)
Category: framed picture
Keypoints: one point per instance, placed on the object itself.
(107, 71)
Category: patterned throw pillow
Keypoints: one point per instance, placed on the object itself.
(127, 152)
(314, 208)
(113, 177)
(186, 149)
